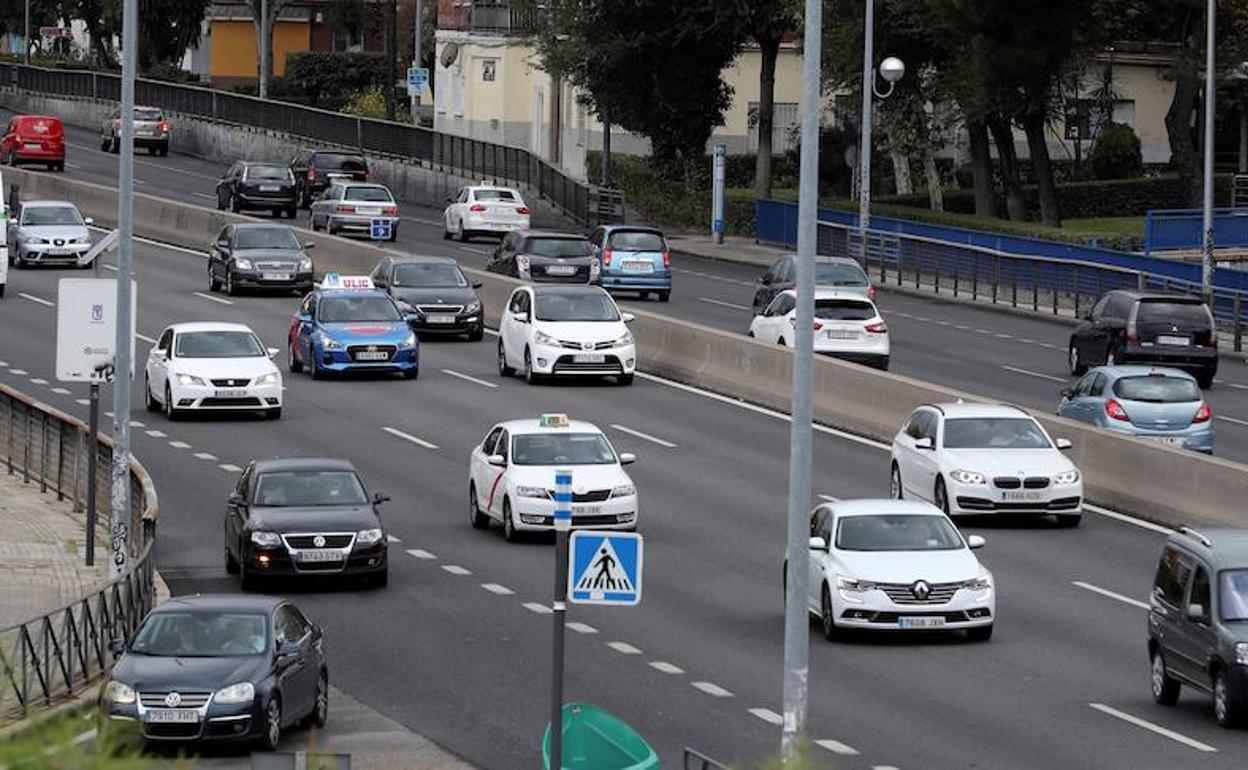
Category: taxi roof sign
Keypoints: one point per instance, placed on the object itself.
(336, 281)
(554, 420)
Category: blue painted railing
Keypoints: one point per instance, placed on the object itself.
(1181, 229)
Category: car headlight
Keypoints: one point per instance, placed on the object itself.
(243, 692)
(1066, 477)
(627, 339)
(242, 263)
(329, 343)
(522, 263)
(1241, 653)
(190, 379)
(305, 265)
(981, 583)
(118, 692)
(542, 338)
(409, 341)
(266, 539)
(539, 492)
(624, 490)
(369, 536)
(272, 378)
(594, 267)
(851, 590)
(473, 307)
(967, 477)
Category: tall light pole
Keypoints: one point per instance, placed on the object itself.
(797, 578)
(264, 49)
(26, 34)
(891, 69)
(416, 58)
(1206, 273)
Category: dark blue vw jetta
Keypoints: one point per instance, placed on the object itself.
(220, 668)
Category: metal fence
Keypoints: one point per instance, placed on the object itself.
(696, 760)
(1181, 229)
(445, 152)
(59, 653)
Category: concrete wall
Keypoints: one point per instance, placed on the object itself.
(1147, 479)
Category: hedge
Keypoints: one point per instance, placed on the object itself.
(667, 202)
(327, 80)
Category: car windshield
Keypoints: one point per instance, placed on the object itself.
(557, 247)
(428, 274)
(347, 309)
(148, 114)
(495, 195)
(838, 274)
(1157, 389)
(50, 215)
(586, 306)
(1233, 596)
(266, 238)
(905, 532)
(332, 161)
(374, 194)
(561, 449)
(218, 345)
(844, 310)
(304, 489)
(202, 634)
(636, 240)
(994, 433)
(1188, 316)
(280, 173)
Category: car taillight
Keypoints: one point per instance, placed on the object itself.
(344, 209)
(477, 207)
(1203, 414)
(523, 210)
(163, 126)
(390, 211)
(879, 327)
(367, 174)
(1115, 411)
(870, 292)
(1133, 335)
(606, 257)
(311, 174)
(667, 259)
(818, 325)
(1211, 341)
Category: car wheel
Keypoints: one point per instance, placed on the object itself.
(479, 520)
(292, 361)
(236, 205)
(895, 490)
(379, 579)
(411, 374)
(979, 633)
(446, 229)
(827, 617)
(272, 724)
(664, 296)
(57, 166)
(941, 497)
(214, 283)
(1165, 689)
(1110, 357)
(503, 369)
(230, 288)
(164, 150)
(148, 401)
(312, 223)
(1073, 362)
(171, 413)
(231, 564)
(1228, 707)
(104, 143)
(1205, 380)
(509, 526)
(314, 366)
(477, 334)
(273, 414)
(320, 705)
(290, 212)
(624, 379)
(530, 376)
(1069, 520)
(463, 233)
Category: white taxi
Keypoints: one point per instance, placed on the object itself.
(211, 366)
(512, 477)
(484, 210)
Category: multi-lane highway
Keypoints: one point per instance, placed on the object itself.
(1015, 358)
(457, 646)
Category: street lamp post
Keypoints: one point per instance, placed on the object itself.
(1206, 273)
(892, 70)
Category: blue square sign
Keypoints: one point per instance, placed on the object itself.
(379, 229)
(605, 568)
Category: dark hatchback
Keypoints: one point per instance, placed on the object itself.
(435, 293)
(307, 517)
(1130, 327)
(545, 257)
(220, 669)
(315, 170)
(251, 186)
(255, 255)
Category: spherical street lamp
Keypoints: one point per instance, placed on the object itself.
(892, 69)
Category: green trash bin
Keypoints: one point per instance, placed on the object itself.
(594, 739)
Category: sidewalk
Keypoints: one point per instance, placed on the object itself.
(743, 251)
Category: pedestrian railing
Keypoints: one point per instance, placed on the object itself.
(696, 760)
(61, 652)
(1183, 230)
(447, 152)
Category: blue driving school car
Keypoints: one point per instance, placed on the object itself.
(633, 258)
(1150, 402)
(348, 325)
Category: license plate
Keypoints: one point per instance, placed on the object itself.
(638, 267)
(59, 252)
(235, 393)
(1173, 440)
(440, 319)
(589, 358)
(561, 270)
(839, 334)
(276, 276)
(1165, 339)
(320, 556)
(171, 716)
(33, 146)
(269, 188)
(586, 510)
(1021, 496)
(920, 621)
(370, 211)
(372, 355)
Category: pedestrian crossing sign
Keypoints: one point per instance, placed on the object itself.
(605, 568)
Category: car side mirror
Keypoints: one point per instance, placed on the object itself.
(924, 443)
(498, 460)
(309, 245)
(1087, 316)
(380, 283)
(380, 498)
(975, 541)
(627, 458)
(89, 220)
(305, 318)
(628, 317)
(1196, 612)
(116, 646)
(411, 318)
(273, 352)
(450, 200)
(222, 244)
(1065, 393)
(476, 284)
(1063, 444)
(234, 499)
(522, 318)
(287, 649)
(818, 544)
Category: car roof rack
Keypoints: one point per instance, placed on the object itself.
(1197, 536)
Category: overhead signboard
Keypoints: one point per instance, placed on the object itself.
(86, 328)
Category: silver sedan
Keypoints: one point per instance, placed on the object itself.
(356, 207)
(48, 232)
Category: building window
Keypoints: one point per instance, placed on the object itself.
(784, 126)
(346, 39)
(488, 67)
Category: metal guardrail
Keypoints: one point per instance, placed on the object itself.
(60, 652)
(696, 760)
(446, 152)
(1182, 229)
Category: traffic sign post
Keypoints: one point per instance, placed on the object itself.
(379, 229)
(417, 77)
(563, 525)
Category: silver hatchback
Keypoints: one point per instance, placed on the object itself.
(356, 207)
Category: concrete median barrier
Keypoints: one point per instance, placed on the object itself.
(1157, 482)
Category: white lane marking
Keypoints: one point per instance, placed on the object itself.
(230, 468)
(112, 267)
(1026, 341)
(665, 667)
(1110, 594)
(33, 298)
(711, 688)
(18, 372)
(624, 648)
(83, 401)
(145, 338)
(137, 424)
(205, 456)
(721, 303)
(767, 715)
(38, 381)
(836, 747)
(495, 588)
(1005, 336)
(455, 569)
(4, 363)
(210, 298)
(962, 327)
(1047, 345)
(736, 281)
(983, 331)
(62, 392)
(830, 498)
(179, 445)
(473, 249)
(204, 195)
(469, 378)
(1030, 373)
(1141, 523)
(74, 166)
(1234, 420)
(540, 609)
(392, 539)
(1235, 385)
(419, 554)
(409, 437)
(156, 433)
(582, 628)
(645, 436)
(1158, 729)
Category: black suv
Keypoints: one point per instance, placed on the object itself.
(1198, 620)
(545, 257)
(315, 169)
(1130, 327)
(248, 186)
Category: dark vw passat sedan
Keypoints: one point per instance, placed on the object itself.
(223, 668)
(307, 517)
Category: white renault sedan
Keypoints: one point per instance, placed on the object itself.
(896, 565)
(512, 477)
(847, 325)
(557, 330)
(985, 458)
(211, 366)
(484, 210)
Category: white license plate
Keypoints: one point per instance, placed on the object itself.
(320, 556)
(371, 211)
(33, 146)
(920, 621)
(1173, 440)
(586, 510)
(1165, 339)
(269, 188)
(276, 276)
(235, 393)
(1024, 496)
(440, 319)
(638, 267)
(58, 252)
(372, 355)
(561, 270)
(171, 716)
(840, 334)
(589, 358)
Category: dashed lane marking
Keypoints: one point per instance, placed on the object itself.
(1030, 373)
(1110, 594)
(420, 554)
(666, 668)
(145, 338)
(455, 569)
(495, 588)
(767, 715)
(409, 438)
(205, 456)
(62, 392)
(644, 436)
(18, 372)
(470, 378)
(836, 747)
(38, 381)
(721, 303)
(712, 689)
(1232, 420)
(210, 298)
(37, 300)
(179, 445)
(155, 433)
(582, 628)
(230, 468)
(540, 609)
(1158, 729)
(624, 648)
(392, 539)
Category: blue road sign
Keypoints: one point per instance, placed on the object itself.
(605, 568)
(417, 76)
(379, 229)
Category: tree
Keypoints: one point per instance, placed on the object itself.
(167, 28)
(102, 19)
(274, 7)
(769, 21)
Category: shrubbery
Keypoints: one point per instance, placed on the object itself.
(1117, 154)
(328, 80)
